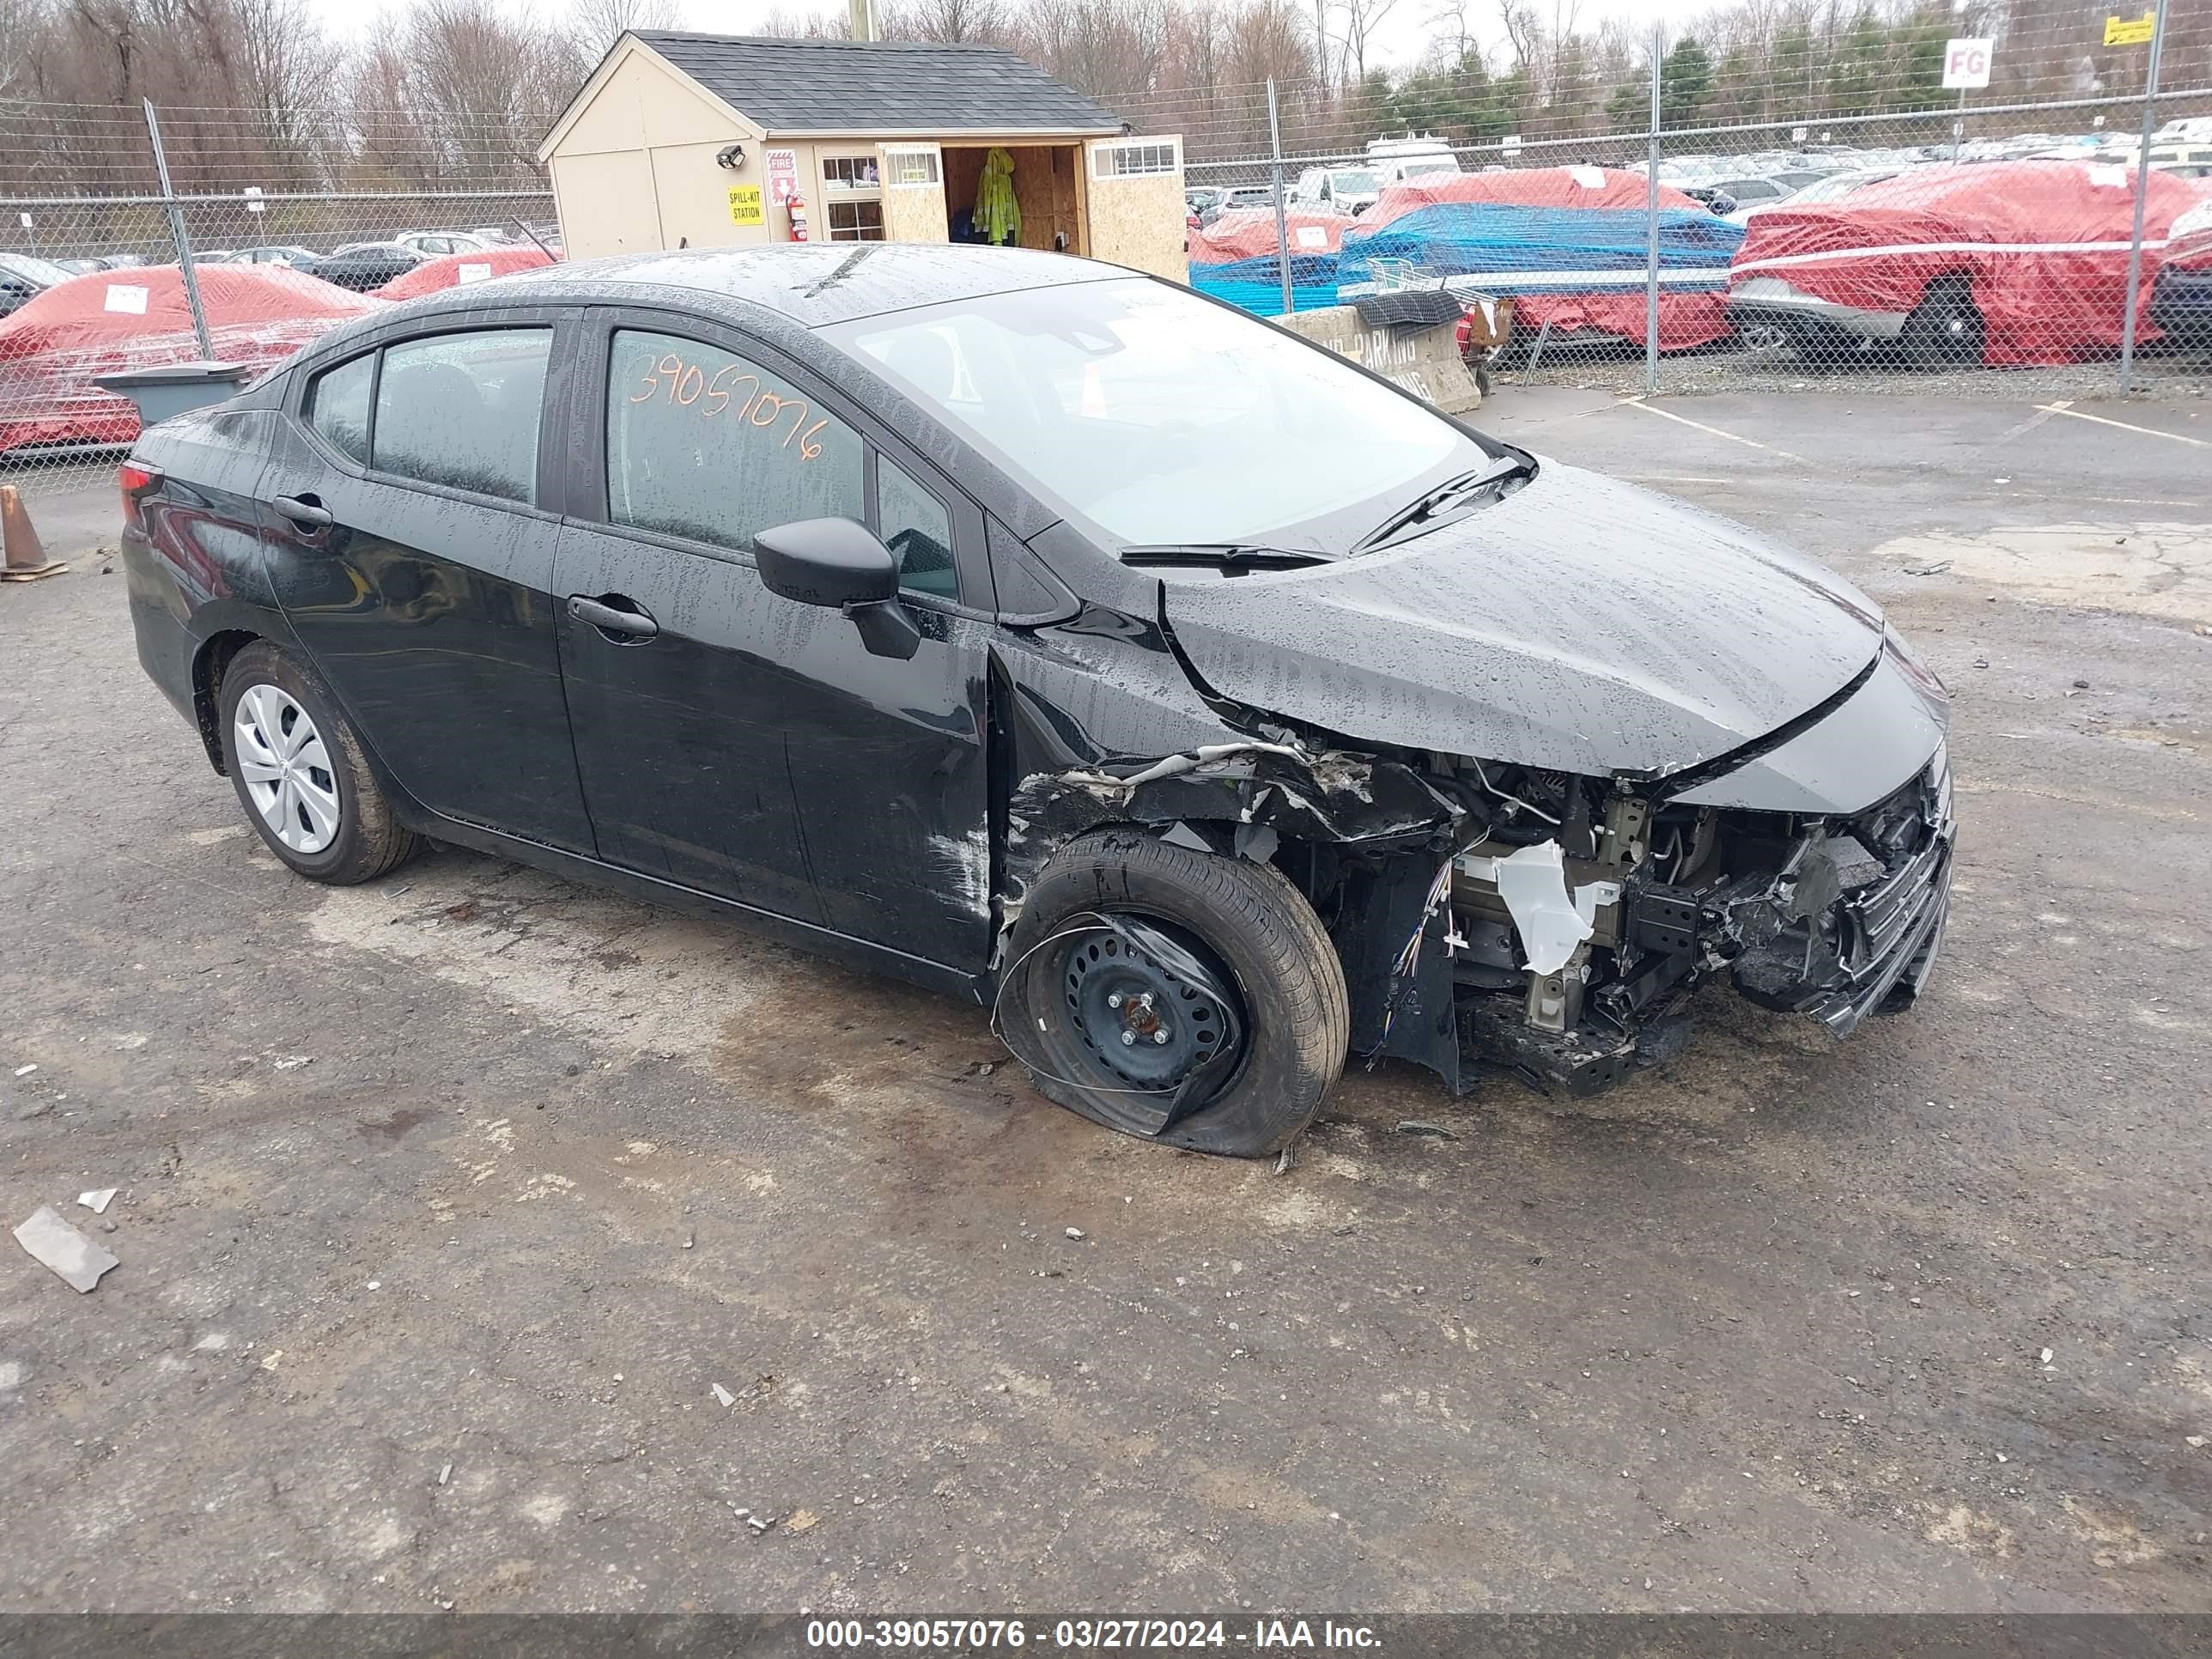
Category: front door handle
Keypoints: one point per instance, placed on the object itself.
(305, 511)
(633, 624)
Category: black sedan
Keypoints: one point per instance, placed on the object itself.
(1200, 704)
(366, 266)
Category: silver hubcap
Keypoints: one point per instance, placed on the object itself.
(286, 770)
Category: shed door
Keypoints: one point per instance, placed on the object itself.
(914, 193)
(1135, 205)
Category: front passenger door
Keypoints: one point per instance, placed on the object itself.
(736, 741)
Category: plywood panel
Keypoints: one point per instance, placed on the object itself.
(912, 213)
(607, 203)
(1139, 222)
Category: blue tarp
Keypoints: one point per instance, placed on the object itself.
(1584, 250)
(1256, 285)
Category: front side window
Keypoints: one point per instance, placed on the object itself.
(462, 410)
(916, 527)
(704, 444)
(337, 406)
(1157, 418)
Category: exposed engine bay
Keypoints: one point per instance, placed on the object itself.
(1570, 930)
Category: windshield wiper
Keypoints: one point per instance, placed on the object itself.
(1448, 494)
(1234, 557)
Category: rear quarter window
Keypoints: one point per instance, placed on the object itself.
(337, 406)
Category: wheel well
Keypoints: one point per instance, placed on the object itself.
(1952, 282)
(209, 667)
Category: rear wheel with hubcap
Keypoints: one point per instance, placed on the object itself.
(298, 768)
(1176, 994)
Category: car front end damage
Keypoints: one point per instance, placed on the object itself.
(1494, 919)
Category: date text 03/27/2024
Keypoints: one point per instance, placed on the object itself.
(1085, 1635)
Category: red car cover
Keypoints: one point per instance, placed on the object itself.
(1249, 233)
(1685, 319)
(111, 320)
(2043, 246)
(432, 276)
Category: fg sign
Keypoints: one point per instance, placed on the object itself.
(1967, 65)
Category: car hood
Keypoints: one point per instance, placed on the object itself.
(1579, 624)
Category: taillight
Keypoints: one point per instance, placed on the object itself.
(137, 482)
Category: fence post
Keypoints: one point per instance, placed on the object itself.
(1282, 219)
(2143, 192)
(177, 234)
(1651, 227)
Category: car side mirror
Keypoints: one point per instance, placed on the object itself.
(837, 563)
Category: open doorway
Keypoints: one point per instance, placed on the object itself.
(1048, 181)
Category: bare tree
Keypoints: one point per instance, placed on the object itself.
(595, 25)
(1361, 18)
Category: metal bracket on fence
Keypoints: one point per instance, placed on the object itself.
(177, 235)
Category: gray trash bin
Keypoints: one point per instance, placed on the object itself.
(173, 388)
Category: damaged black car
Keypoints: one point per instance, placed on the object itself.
(1203, 707)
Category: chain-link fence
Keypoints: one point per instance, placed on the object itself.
(1780, 216)
(1784, 203)
(256, 252)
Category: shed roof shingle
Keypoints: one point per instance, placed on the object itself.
(877, 86)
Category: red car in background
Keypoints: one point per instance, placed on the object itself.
(454, 270)
(111, 320)
(2007, 263)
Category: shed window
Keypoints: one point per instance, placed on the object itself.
(1131, 161)
(842, 174)
(905, 168)
(856, 222)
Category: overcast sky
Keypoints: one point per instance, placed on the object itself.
(1403, 35)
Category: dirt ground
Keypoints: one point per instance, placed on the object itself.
(446, 1202)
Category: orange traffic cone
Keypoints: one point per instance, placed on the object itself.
(25, 558)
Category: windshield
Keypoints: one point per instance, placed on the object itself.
(1155, 416)
(32, 269)
(1434, 164)
(1351, 182)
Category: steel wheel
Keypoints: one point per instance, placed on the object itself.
(286, 769)
(1148, 1012)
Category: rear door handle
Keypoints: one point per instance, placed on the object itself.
(305, 510)
(608, 620)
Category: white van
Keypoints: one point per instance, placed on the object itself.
(1346, 189)
(1393, 159)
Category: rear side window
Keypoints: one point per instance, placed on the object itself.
(338, 406)
(702, 444)
(461, 409)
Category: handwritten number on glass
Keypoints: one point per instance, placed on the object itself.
(686, 386)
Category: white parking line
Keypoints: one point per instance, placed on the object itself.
(1748, 443)
(2147, 431)
(2042, 413)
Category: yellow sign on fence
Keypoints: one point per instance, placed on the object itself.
(745, 205)
(2129, 31)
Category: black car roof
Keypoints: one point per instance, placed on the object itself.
(809, 284)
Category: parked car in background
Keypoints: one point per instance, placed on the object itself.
(213, 255)
(1348, 190)
(2181, 298)
(282, 253)
(1044, 648)
(23, 277)
(1238, 198)
(363, 266)
(52, 348)
(435, 244)
(1410, 157)
(2005, 263)
(2190, 161)
(1828, 187)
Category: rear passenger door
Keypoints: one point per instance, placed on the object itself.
(409, 550)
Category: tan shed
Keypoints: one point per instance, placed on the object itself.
(712, 141)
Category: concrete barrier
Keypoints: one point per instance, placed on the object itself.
(1423, 361)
